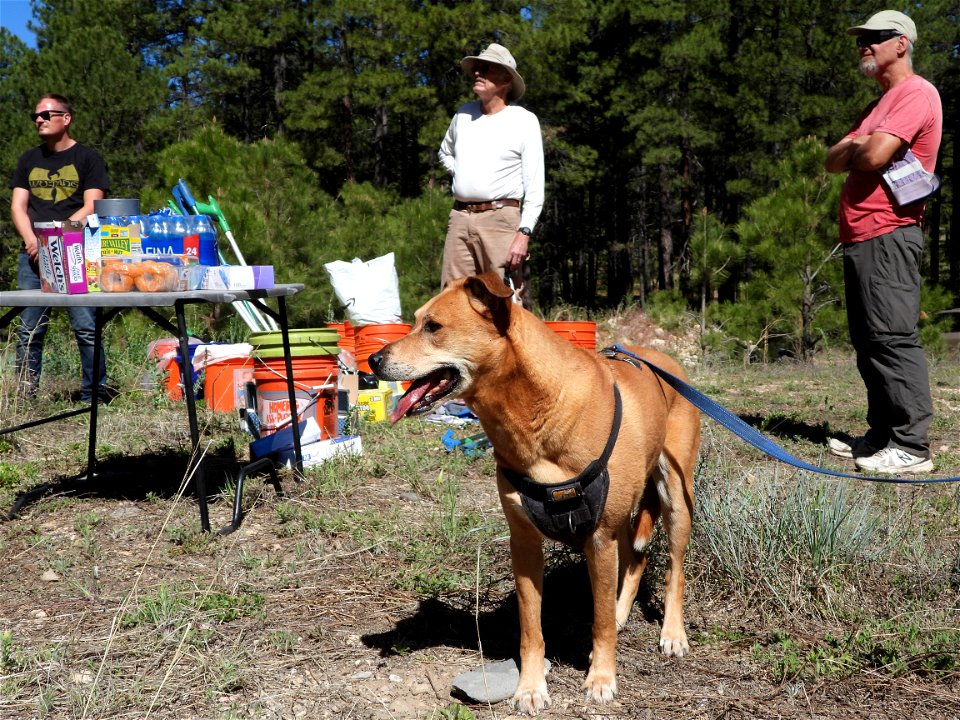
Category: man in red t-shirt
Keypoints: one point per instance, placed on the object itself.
(882, 248)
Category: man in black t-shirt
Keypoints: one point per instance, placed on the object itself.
(58, 180)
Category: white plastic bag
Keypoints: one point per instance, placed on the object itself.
(909, 181)
(369, 291)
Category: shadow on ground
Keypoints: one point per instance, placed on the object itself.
(781, 426)
(138, 477)
(567, 617)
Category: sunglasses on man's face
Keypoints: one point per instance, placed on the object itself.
(875, 38)
(485, 68)
(47, 114)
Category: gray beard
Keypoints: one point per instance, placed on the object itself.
(868, 66)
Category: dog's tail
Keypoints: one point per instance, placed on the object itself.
(650, 503)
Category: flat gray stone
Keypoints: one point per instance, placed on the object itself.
(491, 683)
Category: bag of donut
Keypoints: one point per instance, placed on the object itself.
(144, 273)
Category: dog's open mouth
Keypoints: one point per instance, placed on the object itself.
(426, 392)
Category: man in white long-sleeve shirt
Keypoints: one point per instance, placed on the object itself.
(494, 151)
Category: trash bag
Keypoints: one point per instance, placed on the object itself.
(369, 291)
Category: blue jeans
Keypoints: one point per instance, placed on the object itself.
(33, 330)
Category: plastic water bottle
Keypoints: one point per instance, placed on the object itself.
(203, 226)
(176, 232)
(156, 240)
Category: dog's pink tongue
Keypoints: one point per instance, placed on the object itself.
(413, 395)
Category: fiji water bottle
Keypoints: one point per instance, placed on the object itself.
(156, 240)
(203, 227)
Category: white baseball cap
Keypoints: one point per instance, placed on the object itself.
(887, 20)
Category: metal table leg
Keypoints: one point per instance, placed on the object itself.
(95, 393)
(186, 376)
(256, 467)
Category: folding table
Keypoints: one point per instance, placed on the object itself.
(108, 305)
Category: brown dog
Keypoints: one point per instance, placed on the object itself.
(551, 409)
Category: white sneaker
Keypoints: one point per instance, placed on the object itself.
(891, 461)
(856, 448)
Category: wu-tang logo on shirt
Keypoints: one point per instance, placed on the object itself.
(54, 185)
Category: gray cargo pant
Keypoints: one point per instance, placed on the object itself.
(882, 289)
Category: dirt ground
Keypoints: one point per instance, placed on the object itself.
(335, 632)
(359, 647)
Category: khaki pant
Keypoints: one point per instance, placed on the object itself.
(478, 242)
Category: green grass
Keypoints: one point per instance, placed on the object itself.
(173, 604)
(894, 647)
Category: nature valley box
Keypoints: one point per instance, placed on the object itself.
(115, 239)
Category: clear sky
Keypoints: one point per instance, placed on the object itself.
(14, 15)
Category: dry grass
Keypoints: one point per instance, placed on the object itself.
(367, 587)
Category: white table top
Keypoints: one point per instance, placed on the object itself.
(37, 298)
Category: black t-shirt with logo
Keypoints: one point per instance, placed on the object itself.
(57, 180)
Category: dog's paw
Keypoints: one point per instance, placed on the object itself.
(600, 687)
(674, 646)
(530, 701)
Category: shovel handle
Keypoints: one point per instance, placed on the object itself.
(185, 194)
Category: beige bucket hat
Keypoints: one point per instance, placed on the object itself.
(498, 54)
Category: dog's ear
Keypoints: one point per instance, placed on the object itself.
(490, 291)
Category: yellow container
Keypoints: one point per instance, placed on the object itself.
(374, 404)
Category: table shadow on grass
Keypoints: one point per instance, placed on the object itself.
(136, 477)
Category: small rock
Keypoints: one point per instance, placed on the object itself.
(395, 679)
(38, 614)
(410, 497)
(491, 683)
(362, 675)
(83, 677)
(50, 576)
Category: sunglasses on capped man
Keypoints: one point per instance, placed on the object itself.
(875, 38)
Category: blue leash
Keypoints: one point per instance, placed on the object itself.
(753, 436)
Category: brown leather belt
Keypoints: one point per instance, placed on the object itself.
(478, 207)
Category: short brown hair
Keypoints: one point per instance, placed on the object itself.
(60, 99)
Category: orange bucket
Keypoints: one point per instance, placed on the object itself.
(579, 332)
(225, 383)
(347, 335)
(171, 380)
(370, 339)
(315, 383)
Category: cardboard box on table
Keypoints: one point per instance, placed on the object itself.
(238, 277)
(61, 261)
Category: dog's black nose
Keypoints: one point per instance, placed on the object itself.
(376, 360)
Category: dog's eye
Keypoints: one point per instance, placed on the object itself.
(431, 326)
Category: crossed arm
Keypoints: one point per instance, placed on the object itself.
(863, 152)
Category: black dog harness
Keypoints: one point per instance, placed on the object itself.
(569, 511)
